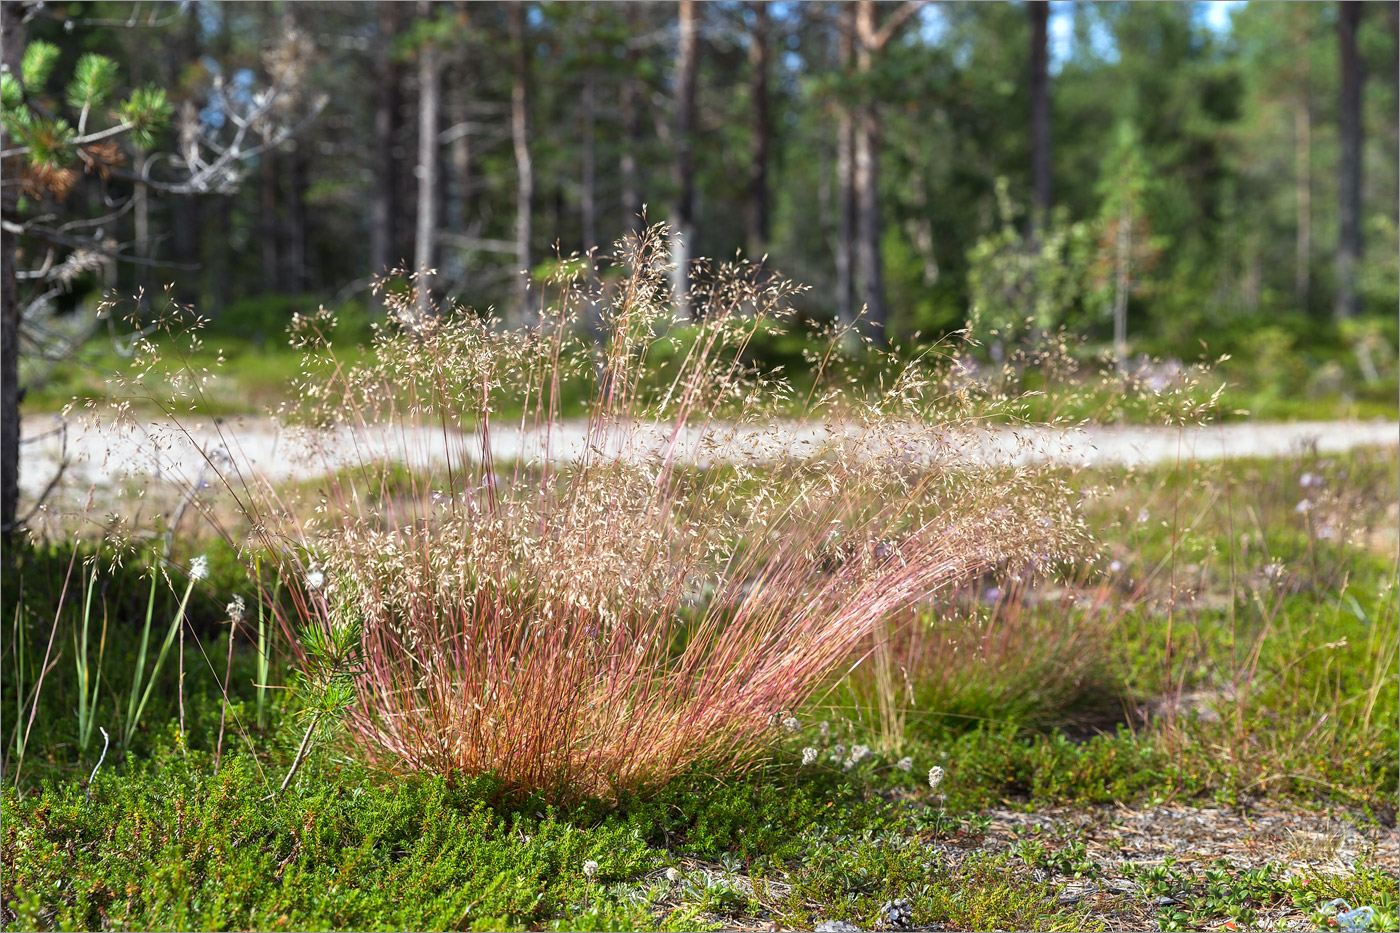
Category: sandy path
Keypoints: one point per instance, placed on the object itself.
(106, 456)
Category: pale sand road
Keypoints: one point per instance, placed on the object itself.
(154, 450)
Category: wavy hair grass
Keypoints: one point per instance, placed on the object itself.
(591, 605)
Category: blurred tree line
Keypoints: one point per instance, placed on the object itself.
(920, 161)
(1143, 173)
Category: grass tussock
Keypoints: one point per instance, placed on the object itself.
(594, 608)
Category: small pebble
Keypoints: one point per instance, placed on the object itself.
(896, 914)
(837, 926)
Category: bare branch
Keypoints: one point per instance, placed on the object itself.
(78, 140)
(879, 40)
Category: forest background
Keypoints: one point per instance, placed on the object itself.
(1154, 176)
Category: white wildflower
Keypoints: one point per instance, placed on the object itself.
(809, 755)
(935, 777)
(824, 729)
(859, 751)
(1115, 567)
(838, 751)
(590, 868)
(905, 764)
(199, 568)
(315, 578)
(848, 764)
(1302, 507)
(673, 874)
(791, 724)
(235, 609)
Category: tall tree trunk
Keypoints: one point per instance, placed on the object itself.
(1302, 169)
(268, 226)
(1121, 284)
(269, 197)
(683, 211)
(384, 206)
(1040, 108)
(12, 38)
(299, 156)
(459, 150)
(218, 262)
(845, 177)
(588, 195)
(762, 131)
(867, 182)
(459, 155)
(627, 161)
(588, 203)
(524, 166)
(868, 227)
(186, 213)
(1349, 171)
(215, 217)
(429, 82)
(141, 227)
(186, 224)
(298, 265)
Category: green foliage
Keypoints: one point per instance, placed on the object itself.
(1370, 886)
(345, 851)
(50, 137)
(147, 110)
(163, 842)
(11, 92)
(1070, 859)
(1203, 898)
(204, 853)
(37, 64)
(1018, 279)
(94, 78)
(263, 320)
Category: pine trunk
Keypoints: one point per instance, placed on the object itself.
(683, 212)
(1040, 107)
(298, 267)
(429, 82)
(762, 132)
(845, 178)
(1302, 167)
(524, 167)
(459, 155)
(867, 183)
(12, 38)
(268, 226)
(1349, 171)
(630, 113)
(1121, 285)
(384, 206)
(588, 193)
